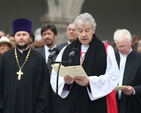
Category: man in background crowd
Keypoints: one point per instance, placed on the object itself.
(5, 44)
(39, 42)
(11, 38)
(71, 35)
(129, 62)
(49, 36)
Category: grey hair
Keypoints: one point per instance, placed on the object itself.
(85, 17)
(121, 34)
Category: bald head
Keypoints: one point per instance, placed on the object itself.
(2, 33)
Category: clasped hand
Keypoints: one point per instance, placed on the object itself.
(82, 81)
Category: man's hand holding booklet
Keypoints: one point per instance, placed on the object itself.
(120, 87)
(70, 70)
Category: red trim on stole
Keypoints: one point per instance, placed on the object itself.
(110, 98)
(82, 53)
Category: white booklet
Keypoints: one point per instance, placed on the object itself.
(69, 70)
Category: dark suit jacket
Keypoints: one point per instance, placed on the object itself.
(132, 77)
(41, 50)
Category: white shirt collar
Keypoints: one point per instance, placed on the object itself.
(84, 48)
(21, 51)
(121, 55)
(47, 48)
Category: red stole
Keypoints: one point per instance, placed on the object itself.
(110, 98)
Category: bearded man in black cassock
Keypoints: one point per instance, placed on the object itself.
(23, 72)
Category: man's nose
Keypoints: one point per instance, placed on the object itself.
(83, 33)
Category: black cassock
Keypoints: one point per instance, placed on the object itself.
(132, 77)
(28, 95)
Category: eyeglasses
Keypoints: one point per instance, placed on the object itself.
(121, 47)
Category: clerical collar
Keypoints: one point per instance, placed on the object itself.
(85, 46)
(21, 51)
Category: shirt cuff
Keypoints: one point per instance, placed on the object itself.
(134, 92)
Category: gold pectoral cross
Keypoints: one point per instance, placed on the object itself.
(19, 73)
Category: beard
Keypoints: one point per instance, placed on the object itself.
(49, 44)
(22, 46)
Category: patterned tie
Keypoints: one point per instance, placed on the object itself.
(49, 50)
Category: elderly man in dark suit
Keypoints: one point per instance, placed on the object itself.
(71, 35)
(129, 61)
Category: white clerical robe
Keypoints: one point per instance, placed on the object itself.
(100, 85)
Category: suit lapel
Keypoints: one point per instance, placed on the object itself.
(117, 58)
(43, 52)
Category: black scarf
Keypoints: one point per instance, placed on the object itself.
(94, 64)
(95, 59)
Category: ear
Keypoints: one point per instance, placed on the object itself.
(55, 37)
(30, 40)
(93, 31)
(131, 42)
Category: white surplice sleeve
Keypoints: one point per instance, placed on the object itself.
(102, 85)
(62, 93)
